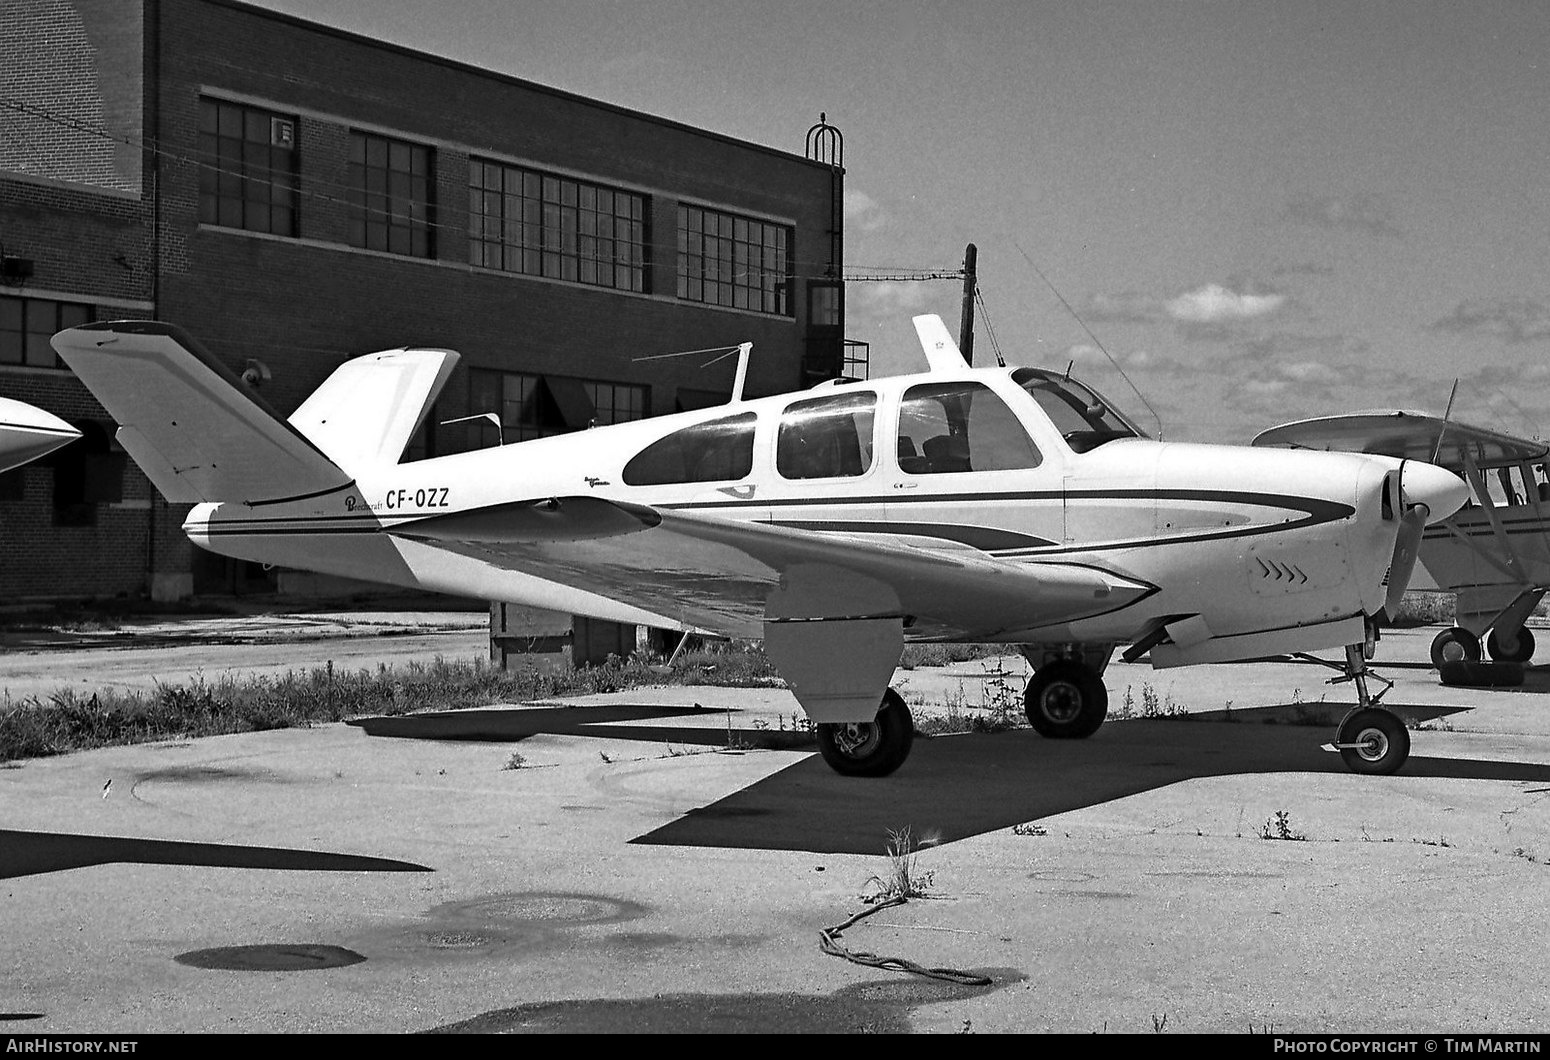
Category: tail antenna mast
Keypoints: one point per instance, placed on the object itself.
(743, 351)
(1096, 341)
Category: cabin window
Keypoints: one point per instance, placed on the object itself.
(1084, 418)
(714, 451)
(828, 437)
(946, 428)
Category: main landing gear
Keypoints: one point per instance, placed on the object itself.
(869, 748)
(1066, 700)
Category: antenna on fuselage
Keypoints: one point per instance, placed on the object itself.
(743, 351)
(1096, 341)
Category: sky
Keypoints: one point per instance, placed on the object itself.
(1257, 211)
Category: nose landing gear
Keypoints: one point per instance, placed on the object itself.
(1370, 739)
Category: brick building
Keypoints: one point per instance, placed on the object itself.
(294, 195)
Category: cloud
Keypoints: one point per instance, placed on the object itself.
(1214, 304)
(864, 213)
(1366, 213)
(886, 297)
(1124, 307)
(1514, 320)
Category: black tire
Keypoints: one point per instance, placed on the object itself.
(1455, 644)
(1481, 674)
(869, 748)
(1385, 742)
(1066, 700)
(1515, 649)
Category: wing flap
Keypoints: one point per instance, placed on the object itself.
(720, 574)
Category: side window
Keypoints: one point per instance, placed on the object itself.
(717, 451)
(827, 437)
(946, 428)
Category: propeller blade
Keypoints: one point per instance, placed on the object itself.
(1407, 546)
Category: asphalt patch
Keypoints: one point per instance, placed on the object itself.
(277, 957)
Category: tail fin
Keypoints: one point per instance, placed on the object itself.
(365, 413)
(195, 430)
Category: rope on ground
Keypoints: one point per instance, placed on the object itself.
(829, 942)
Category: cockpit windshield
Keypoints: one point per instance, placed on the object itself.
(1084, 418)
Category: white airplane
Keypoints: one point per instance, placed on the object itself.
(963, 504)
(1494, 552)
(27, 433)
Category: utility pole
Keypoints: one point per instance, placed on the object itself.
(966, 322)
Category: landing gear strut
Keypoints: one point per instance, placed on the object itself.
(1370, 739)
(869, 748)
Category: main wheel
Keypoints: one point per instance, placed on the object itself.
(1066, 700)
(869, 748)
(1518, 648)
(1373, 741)
(1455, 644)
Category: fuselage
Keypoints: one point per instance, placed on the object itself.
(1024, 465)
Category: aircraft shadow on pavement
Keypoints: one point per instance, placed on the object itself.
(510, 724)
(30, 853)
(959, 786)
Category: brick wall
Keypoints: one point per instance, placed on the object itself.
(304, 305)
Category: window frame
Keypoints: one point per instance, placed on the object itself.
(246, 180)
(717, 263)
(526, 221)
(392, 195)
(26, 339)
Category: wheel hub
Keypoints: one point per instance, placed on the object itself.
(1372, 744)
(857, 738)
(1061, 702)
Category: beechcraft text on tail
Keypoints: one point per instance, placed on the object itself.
(1008, 505)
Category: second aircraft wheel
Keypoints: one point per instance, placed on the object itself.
(1518, 648)
(1455, 644)
(869, 748)
(1373, 741)
(1066, 700)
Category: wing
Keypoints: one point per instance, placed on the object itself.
(27, 433)
(731, 577)
(1411, 435)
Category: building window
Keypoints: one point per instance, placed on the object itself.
(616, 402)
(26, 325)
(536, 406)
(542, 225)
(247, 171)
(733, 261)
(390, 195)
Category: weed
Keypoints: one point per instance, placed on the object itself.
(1127, 708)
(604, 756)
(35, 727)
(516, 761)
(1280, 827)
(904, 879)
(1029, 828)
(1440, 841)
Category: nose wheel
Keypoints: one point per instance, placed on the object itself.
(1373, 740)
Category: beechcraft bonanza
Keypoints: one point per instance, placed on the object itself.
(1494, 552)
(27, 433)
(999, 505)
